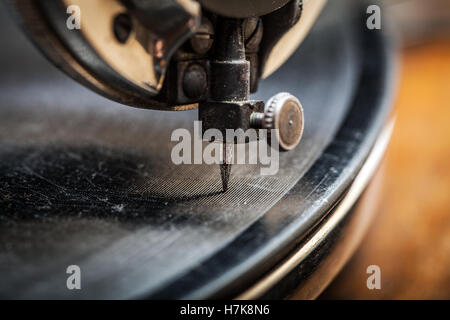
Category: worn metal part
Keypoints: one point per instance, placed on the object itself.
(228, 105)
(127, 62)
(228, 115)
(284, 114)
(230, 71)
(225, 166)
(229, 87)
(202, 41)
(168, 24)
(131, 73)
(195, 81)
(180, 71)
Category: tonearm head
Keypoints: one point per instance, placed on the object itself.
(180, 55)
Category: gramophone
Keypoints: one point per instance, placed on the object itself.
(88, 182)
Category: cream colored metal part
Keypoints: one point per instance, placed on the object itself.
(135, 62)
(294, 37)
(129, 59)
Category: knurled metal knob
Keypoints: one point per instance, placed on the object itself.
(282, 112)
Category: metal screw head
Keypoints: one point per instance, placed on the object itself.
(195, 81)
(285, 113)
(202, 41)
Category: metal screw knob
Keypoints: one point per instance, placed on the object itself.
(285, 113)
(195, 81)
(203, 40)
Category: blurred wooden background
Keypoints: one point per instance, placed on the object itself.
(410, 237)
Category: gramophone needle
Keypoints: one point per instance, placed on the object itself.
(225, 166)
